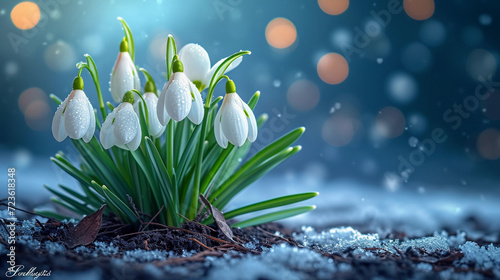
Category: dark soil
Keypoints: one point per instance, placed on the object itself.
(209, 241)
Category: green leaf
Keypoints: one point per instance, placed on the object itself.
(279, 215)
(80, 207)
(263, 155)
(171, 51)
(234, 185)
(219, 72)
(56, 99)
(129, 38)
(272, 203)
(126, 212)
(51, 214)
(91, 67)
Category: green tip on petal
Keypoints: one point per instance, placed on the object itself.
(230, 86)
(124, 45)
(178, 66)
(150, 87)
(129, 97)
(78, 83)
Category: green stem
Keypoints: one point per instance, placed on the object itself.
(143, 102)
(170, 150)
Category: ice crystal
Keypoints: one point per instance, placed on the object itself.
(484, 257)
(54, 247)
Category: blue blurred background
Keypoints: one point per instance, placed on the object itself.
(372, 81)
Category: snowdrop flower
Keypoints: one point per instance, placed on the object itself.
(180, 98)
(122, 127)
(75, 116)
(155, 127)
(235, 121)
(124, 76)
(197, 65)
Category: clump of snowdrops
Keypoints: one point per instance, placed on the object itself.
(157, 152)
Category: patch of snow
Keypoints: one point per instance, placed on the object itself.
(483, 257)
(279, 262)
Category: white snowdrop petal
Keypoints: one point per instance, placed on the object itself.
(106, 136)
(134, 144)
(161, 110)
(219, 136)
(155, 127)
(77, 115)
(126, 125)
(178, 98)
(90, 131)
(196, 61)
(252, 123)
(196, 113)
(211, 72)
(234, 123)
(122, 77)
(58, 130)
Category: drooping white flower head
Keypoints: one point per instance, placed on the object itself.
(180, 98)
(155, 127)
(124, 76)
(197, 64)
(235, 121)
(122, 127)
(75, 116)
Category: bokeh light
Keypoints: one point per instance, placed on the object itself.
(416, 57)
(491, 106)
(417, 123)
(333, 7)
(432, 33)
(338, 130)
(333, 68)
(419, 9)
(29, 96)
(25, 15)
(60, 56)
(158, 46)
(303, 95)
(481, 64)
(33, 102)
(11, 69)
(402, 87)
(488, 144)
(281, 33)
(390, 122)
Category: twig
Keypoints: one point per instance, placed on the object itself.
(40, 224)
(22, 210)
(134, 208)
(280, 237)
(191, 232)
(153, 217)
(201, 244)
(195, 222)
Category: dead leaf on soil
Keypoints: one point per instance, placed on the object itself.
(86, 230)
(218, 217)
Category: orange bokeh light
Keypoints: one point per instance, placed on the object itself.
(281, 33)
(488, 144)
(333, 68)
(419, 9)
(25, 15)
(333, 7)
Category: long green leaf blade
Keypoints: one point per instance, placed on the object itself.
(272, 203)
(129, 38)
(271, 217)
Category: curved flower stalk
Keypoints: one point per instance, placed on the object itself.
(75, 116)
(180, 98)
(235, 121)
(155, 127)
(124, 76)
(122, 127)
(197, 65)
